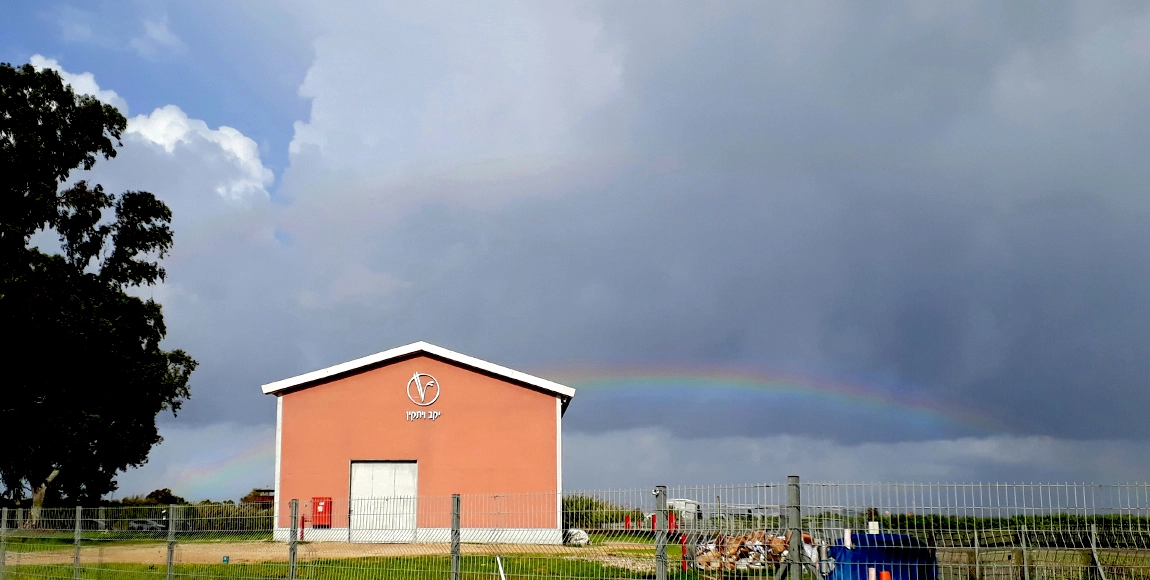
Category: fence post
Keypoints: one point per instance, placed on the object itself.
(660, 532)
(977, 567)
(455, 536)
(3, 543)
(795, 527)
(1025, 558)
(76, 555)
(171, 541)
(1094, 550)
(292, 536)
(692, 537)
(718, 514)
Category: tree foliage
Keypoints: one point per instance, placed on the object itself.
(84, 375)
(164, 497)
(591, 513)
(257, 495)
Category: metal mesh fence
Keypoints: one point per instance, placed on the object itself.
(994, 531)
(813, 531)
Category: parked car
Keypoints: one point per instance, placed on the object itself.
(145, 525)
(92, 524)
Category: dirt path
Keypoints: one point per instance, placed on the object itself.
(248, 552)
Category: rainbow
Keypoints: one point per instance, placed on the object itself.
(220, 468)
(785, 386)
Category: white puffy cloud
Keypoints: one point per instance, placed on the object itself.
(170, 128)
(236, 170)
(82, 83)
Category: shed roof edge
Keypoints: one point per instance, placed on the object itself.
(413, 348)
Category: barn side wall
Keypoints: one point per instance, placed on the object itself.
(494, 441)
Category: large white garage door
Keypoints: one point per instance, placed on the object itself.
(383, 495)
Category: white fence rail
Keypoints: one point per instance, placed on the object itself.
(831, 531)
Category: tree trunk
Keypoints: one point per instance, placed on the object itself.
(38, 499)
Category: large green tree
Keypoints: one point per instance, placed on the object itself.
(82, 374)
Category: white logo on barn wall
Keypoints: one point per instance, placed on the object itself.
(425, 391)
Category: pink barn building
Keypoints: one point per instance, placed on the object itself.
(373, 449)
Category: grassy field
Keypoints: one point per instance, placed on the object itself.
(1051, 567)
(343, 569)
(135, 559)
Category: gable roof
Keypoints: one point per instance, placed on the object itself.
(380, 358)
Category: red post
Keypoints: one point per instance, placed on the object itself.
(683, 553)
(626, 522)
(671, 521)
(654, 521)
(302, 521)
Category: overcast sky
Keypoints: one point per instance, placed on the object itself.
(881, 241)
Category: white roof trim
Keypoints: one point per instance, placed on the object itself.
(380, 357)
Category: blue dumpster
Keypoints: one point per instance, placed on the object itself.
(905, 557)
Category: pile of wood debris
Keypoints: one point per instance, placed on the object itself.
(753, 549)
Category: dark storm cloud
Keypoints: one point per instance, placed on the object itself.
(943, 201)
(1031, 315)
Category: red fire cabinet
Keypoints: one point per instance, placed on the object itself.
(321, 512)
